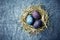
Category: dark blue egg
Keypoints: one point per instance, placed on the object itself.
(37, 24)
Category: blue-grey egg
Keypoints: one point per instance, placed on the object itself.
(29, 20)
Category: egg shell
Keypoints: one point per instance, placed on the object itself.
(36, 15)
(29, 20)
(37, 24)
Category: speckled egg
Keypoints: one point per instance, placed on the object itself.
(37, 24)
(36, 15)
(29, 20)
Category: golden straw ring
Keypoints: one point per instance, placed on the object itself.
(44, 19)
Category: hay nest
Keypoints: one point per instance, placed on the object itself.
(29, 28)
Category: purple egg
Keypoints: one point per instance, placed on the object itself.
(37, 24)
(36, 15)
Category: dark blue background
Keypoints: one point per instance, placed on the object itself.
(11, 28)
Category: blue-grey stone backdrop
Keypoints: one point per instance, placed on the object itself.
(11, 11)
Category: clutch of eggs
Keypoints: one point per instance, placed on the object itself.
(32, 19)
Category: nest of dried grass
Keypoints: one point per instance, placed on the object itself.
(29, 28)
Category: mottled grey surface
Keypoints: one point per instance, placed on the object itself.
(10, 27)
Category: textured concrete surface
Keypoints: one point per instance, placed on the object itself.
(10, 27)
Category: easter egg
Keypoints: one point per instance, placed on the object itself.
(29, 20)
(37, 24)
(36, 15)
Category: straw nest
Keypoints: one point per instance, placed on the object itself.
(29, 28)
